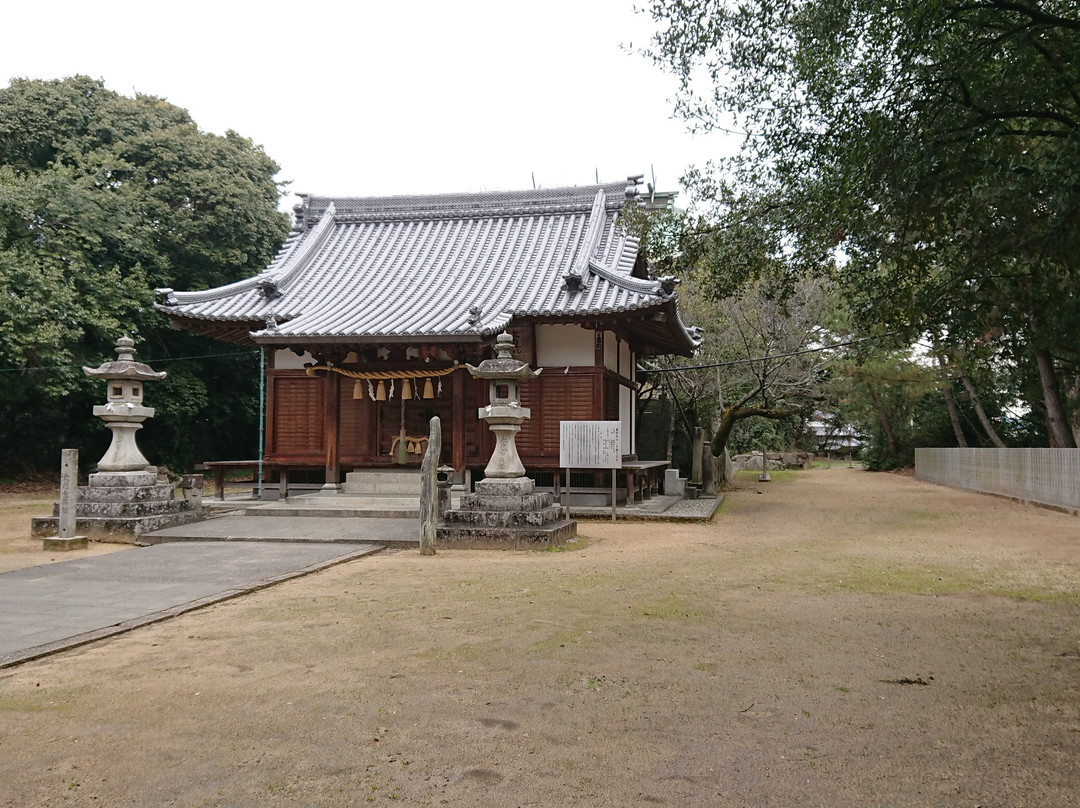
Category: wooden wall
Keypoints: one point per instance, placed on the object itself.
(296, 428)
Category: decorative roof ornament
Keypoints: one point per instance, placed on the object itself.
(668, 284)
(268, 288)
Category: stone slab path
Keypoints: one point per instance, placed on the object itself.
(58, 606)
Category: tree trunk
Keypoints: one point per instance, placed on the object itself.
(1057, 425)
(670, 429)
(1074, 404)
(733, 415)
(989, 427)
(954, 415)
(880, 409)
(950, 400)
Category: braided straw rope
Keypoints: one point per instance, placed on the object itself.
(385, 374)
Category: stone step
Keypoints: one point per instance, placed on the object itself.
(117, 529)
(382, 481)
(128, 509)
(504, 519)
(126, 493)
(523, 538)
(529, 502)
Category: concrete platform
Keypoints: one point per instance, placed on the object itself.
(55, 607)
(390, 521)
(316, 528)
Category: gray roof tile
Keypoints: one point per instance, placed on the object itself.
(417, 266)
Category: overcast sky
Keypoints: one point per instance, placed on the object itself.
(370, 98)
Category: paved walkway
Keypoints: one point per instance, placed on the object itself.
(59, 606)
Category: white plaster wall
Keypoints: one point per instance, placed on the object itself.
(626, 360)
(626, 415)
(611, 351)
(564, 346)
(284, 359)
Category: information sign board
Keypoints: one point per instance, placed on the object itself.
(590, 444)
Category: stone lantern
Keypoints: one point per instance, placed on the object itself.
(123, 411)
(506, 510)
(504, 414)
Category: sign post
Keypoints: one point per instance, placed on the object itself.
(590, 445)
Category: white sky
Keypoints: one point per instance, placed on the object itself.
(371, 98)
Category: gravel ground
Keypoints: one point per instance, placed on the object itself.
(832, 638)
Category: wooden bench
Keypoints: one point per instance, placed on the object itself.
(219, 467)
(642, 478)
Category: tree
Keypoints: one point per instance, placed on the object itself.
(925, 155)
(102, 199)
(758, 365)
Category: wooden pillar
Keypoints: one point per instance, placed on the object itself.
(333, 428)
(458, 460)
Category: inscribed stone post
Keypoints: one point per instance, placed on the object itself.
(428, 494)
(69, 491)
(699, 446)
(708, 471)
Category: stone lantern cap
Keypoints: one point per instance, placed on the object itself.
(504, 366)
(125, 367)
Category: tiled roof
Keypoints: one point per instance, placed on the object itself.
(458, 266)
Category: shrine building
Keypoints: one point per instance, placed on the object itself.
(373, 306)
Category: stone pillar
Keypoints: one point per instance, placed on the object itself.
(192, 486)
(69, 492)
(708, 471)
(429, 510)
(695, 455)
(764, 478)
(444, 484)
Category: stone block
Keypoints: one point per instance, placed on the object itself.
(504, 519)
(674, 485)
(382, 481)
(123, 478)
(505, 487)
(525, 538)
(70, 543)
(529, 502)
(126, 493)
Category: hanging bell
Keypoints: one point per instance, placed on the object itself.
(406, 389)
(380, 394)
(358, 389)
(429, 391)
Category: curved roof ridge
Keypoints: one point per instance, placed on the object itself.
(483, 203)
(299, 258)
(593, 235)
(627, 282)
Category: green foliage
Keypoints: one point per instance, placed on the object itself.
(925, 155)
(102, 199)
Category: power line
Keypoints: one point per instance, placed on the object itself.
(144, 361)
(764, 358)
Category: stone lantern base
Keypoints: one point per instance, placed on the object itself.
(506, 513)
(119, 506)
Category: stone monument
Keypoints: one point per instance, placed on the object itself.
(126, 497)
(506, 510)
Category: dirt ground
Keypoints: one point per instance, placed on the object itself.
(833, 638)
(17, 549)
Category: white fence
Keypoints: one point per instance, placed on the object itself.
(1045, 476)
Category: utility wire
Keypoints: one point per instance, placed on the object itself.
(764, 358)
(144, 361)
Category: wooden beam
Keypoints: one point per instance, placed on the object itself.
(333, 427)
(458, 417)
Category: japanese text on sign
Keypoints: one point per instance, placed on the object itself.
(590, 444)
